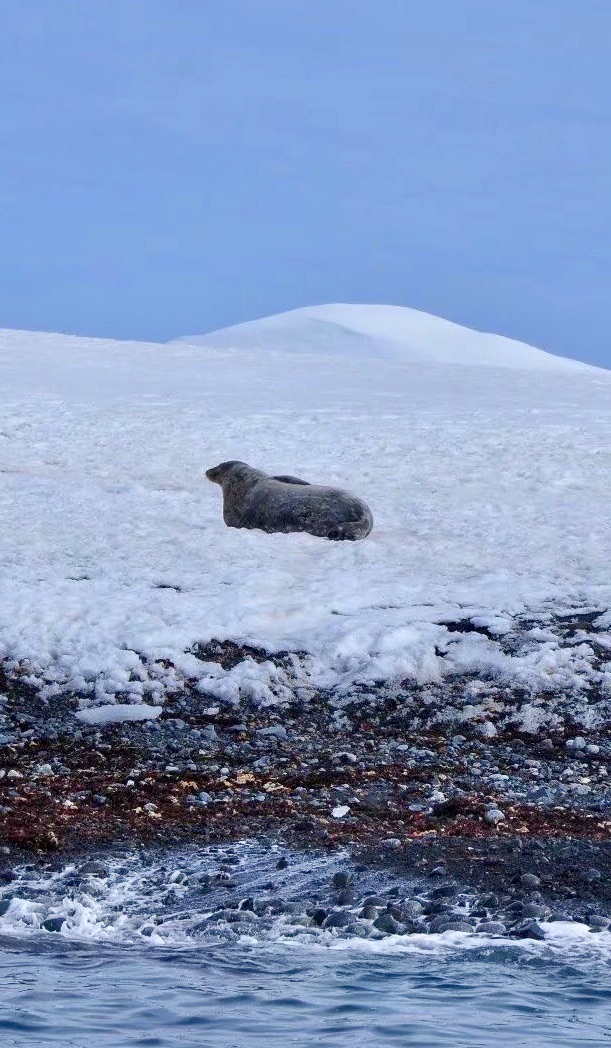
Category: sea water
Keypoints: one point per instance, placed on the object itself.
(139, 959)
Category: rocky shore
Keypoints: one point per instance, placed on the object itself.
(388, 771)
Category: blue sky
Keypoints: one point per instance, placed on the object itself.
(173, 166)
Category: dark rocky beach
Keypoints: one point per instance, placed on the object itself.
(520, 820)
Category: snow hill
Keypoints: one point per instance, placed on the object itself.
(389, 332)
(489, 487)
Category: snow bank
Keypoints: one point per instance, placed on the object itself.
(407, 335)
(489, 487)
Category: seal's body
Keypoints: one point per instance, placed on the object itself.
(253, 499)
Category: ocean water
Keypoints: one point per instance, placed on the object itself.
(143, 956)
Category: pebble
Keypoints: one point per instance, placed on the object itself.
(494, 815)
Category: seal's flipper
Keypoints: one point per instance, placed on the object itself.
(291, 480)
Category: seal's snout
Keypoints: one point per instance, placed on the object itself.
(212, 474)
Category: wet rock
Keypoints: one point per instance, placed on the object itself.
(387, 923)
(53, 924)
(528, 930)
(491, 928)
(443, 924)
(598, 922)
(341, 879)
(411, 908)
(93, 869)
(532, 909)
(338, 919)
(445, 891)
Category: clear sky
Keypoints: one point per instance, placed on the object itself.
(173, 166)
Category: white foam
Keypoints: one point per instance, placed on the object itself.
(150, 903)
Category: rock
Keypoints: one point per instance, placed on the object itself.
(411, 908)
(528, 930)
(491, 928)
(338, 919)
(448, 809)
(445, 924)
(598, 922)
(93, 869)
(344, 757)
(282, 864)
(493, 816)
(276, 731)
(533, 909)
(53, 924)
(578, 743)
(445, 891)
(341, 879)
(387, 923)
(590, 875)
(4, 905)
(530, 880)
(592, 748)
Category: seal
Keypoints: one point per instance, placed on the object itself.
(254, 499)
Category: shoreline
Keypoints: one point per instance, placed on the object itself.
(375, 775)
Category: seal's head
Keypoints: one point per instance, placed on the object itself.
(218, 473)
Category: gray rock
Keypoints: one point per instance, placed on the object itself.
(530, 880)
(533, 909)
(444, 924)
(276, 731)
(387, 923)
(93, 869)
(492, 928)
(338, 919)
(578, 743)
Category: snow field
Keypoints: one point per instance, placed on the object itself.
(489, 487)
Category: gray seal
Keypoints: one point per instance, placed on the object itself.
(253, 499)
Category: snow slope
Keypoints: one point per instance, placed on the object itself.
(391, 332)
(489, 487)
